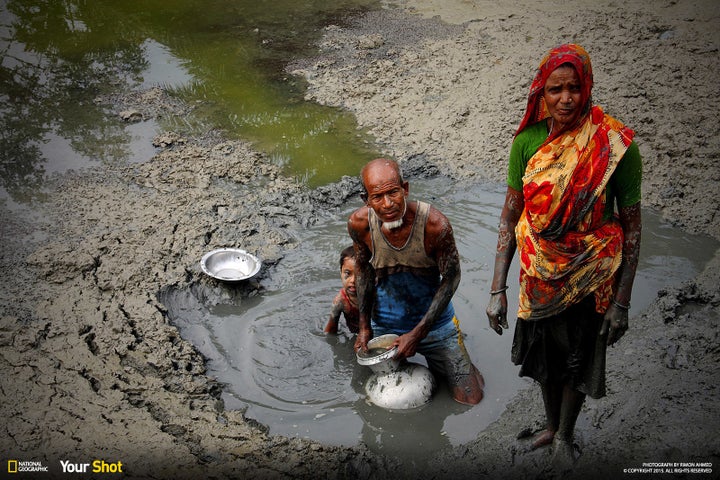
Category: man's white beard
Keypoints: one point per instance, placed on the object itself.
(396, 223)
(393, 225)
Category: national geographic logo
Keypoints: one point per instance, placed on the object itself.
(18, 466)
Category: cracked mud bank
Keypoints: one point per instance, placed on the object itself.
(91, 367)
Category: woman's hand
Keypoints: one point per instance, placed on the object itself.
(497, 312)
(615, 323)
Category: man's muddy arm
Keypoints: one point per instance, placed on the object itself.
(440, 243)
(364, 280)
(448, 261)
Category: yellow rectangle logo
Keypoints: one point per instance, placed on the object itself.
(12, 466)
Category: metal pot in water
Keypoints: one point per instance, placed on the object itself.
(395, 385)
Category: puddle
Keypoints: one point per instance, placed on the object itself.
(225, 59)
(268, 349)
(278, 365)
(66, 131)
(163, 67)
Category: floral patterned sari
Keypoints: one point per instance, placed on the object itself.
(567, 249)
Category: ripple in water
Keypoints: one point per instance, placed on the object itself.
(285, 372)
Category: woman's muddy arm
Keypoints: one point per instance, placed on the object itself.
(505, 251)
(616, 318)
(631, 221)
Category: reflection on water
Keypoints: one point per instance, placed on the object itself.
(224, 58)
(271, 352)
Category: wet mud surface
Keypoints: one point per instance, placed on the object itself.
(93, 368)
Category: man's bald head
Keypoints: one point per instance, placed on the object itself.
(382, 167)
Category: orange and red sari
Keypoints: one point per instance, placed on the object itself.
(567, 249)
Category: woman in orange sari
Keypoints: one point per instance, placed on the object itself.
(572, 211)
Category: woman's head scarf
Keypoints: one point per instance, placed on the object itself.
(569, 53)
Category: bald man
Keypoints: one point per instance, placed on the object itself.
(408, 269)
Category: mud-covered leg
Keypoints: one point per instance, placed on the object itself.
(563, 450)
(552, 398)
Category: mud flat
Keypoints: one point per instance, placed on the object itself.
(456, 102)
(92, 368)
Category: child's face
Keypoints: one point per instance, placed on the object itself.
(347, 275)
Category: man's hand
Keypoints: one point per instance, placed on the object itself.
(615, 323)
(497, 312)
(362, 339)
(407, 344)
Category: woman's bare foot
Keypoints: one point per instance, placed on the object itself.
(541, 439)
(563, 455)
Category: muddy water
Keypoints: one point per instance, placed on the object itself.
(268, 348)
(278, 365)
(64, 62)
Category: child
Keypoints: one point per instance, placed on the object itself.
(345, 301)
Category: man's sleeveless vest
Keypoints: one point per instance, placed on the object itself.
(407, 279)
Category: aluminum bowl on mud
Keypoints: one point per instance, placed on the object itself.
(230, 264)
